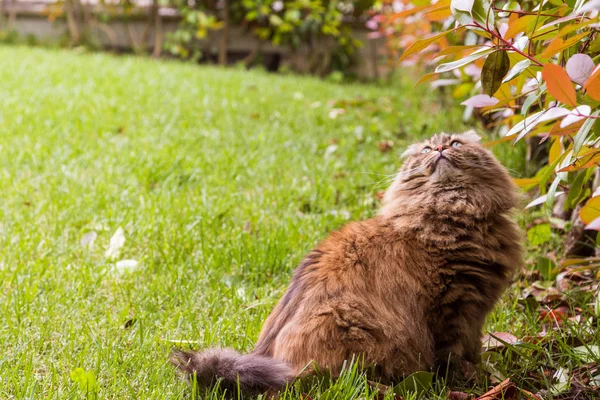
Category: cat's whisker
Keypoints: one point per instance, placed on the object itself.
(417, 170)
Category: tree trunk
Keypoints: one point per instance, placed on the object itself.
(12, 15)
(1, 14)
(224, 42)
(72, 22)
(158, 34)
(251, 58)
(150, 24)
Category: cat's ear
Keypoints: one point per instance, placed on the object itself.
(471, 136)
(410, 151)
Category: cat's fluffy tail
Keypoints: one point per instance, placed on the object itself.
(250, 373)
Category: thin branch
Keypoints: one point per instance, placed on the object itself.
(524, 12)
(506, 43)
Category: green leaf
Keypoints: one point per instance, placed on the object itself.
(516, 70)
(532, 98)
(423, 43)
(417, 383)
(461, 10)
(588, 353)
(482, 13)
(467, 11)
(494, 69)
(544, 265)
(582, 135)
(539, 234)
(576, 188)
(552, 192)
(463, 61)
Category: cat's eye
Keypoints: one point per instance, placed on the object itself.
(426, 150)
(456, 143)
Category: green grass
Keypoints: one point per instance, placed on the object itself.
(221, 179)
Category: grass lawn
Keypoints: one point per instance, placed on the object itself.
(220, 180)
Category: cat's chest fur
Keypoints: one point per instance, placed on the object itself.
(461, 257)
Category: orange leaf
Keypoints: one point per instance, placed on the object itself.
(592, 85)
(588, 160)
(559, 85)
(555, 151)
(556, 316)
(573, 27)
(559, 44)
(456, 49)
(526, 182)
(405, 13)
(567, 130)
(505, 390)
(424, 43)
(519, 26)
(591, 210)
(439, 13)
(427, 78)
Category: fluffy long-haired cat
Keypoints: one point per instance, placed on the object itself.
(407, 290)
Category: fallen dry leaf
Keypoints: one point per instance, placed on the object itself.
(458, 396)
(506, 390)
(385, 146)
(497, 340)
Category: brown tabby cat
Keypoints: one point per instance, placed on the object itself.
(407, 290)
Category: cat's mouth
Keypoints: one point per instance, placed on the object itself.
(442, 159)
(442, 164)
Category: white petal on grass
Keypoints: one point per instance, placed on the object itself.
(88, 239)
(116, 243)
(575, 115)
(542, 199)
(580, 68)
(330, 150)
(124, 266)
(562, 379)
(480, 100)
(335, 112)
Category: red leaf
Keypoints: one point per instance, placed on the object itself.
(559, 85)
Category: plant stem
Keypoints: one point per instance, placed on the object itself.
(524, 12)
(507, 43)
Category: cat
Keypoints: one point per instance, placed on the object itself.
(407, 290)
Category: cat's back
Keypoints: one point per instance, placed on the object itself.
(370, 250)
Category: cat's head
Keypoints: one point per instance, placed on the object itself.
(446, 164)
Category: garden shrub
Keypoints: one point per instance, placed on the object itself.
(528, 67)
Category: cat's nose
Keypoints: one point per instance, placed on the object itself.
(440, 147)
